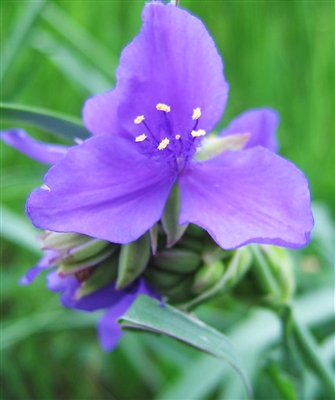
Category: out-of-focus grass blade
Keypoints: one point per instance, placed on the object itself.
(20, 34)
(17, 229)
(56, 123)
(196, 380)
(13, 332)
(146, 313)
(324, 231)
(81, 39)
(71, 64)
(133, 348)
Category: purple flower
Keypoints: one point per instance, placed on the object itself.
(170, 93)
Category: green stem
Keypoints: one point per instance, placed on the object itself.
(304, 340)
(309, 350)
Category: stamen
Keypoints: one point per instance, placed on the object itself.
(178, 137)
(196, 113)
(163, 107)
(163, 144)
(199, 132)
(140, 138)
(139, 119)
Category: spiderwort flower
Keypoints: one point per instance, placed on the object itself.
(170, 93)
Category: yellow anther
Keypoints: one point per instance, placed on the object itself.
(199, 132)
(140, 138)
(178, 137)
(196, 113)
(163, 107)
(163, 144)
(139, 119)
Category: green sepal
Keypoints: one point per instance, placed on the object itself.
(133, 260)
(180, 261)
(213, 146)
(73, 267)
(105, 273)
(207, 276)
(170, 218)
(62, 241)
(154, 238)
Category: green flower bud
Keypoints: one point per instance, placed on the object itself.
(217, 277)
(191, 243)
(100, 276)
(62, 241)
(281, 267)
(70, 268)
(179, 292)
(207, 276)
(133, 261)
(81, 252)
(163, 279)
(180, 261)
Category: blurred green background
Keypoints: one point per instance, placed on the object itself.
(55, 54)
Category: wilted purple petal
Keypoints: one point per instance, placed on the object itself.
(103, 188)
(108, 328)
(250, 196)
(262, 125)
(43, 264)
(102, 298)
(46, 153)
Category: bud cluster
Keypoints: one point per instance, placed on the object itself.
(189, 272)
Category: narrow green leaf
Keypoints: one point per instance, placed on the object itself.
(20, 32)
(56, 123)
(146, 313)
(71, 64)
(81, 39)
(17, 229)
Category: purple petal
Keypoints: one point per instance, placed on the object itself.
(262, 125)
(250, 196)
(43, 264)
(108, 329)
(46, 153)
(100, 112)
(103, 188)
(172, 61)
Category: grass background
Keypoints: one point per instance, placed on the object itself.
(55, 54)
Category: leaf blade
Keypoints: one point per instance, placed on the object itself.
(61, 125)
(147, 313)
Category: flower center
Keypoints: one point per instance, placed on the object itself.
(161, 141)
